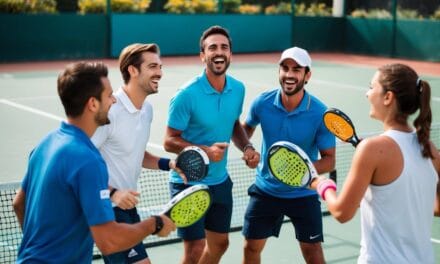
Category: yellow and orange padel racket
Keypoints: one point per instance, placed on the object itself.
(340, 125)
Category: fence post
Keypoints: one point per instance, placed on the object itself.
(108, 14)
(393, 28)
(292, 3)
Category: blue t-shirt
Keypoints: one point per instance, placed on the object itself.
(66, 191)
(303, 126)
(205, 117)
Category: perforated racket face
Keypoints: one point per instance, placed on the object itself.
(194, 163)
(288, 167)
(191, 208)
(339, 126)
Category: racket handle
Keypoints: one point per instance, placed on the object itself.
(324, 185)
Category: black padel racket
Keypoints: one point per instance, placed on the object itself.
(290, 165)
(193, 162)
(188, 206)
(341, 126)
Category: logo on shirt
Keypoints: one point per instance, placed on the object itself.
(105, 194)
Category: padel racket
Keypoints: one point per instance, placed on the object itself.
(340, 125)
(188, 206)
(290, 165)
(193, 162)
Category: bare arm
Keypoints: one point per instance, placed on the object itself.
(344, 206)
(127, 199)
(240, 137)
(19, 205)
(327, 161)
(113, 237)
(175, 143)
(436, 163)
(151, 161)
(248, 129)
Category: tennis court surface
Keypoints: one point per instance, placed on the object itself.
(30, 108)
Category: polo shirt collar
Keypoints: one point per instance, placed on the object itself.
(208, 89)
(75, 131)
(302, 107)
(126, 102)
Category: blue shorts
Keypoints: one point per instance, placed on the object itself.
(135, 253)
(218, 217)
(265, 213)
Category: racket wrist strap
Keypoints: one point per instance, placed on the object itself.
(325, 185)
(164, 164)
(159, 224)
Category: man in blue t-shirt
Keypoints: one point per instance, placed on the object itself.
(288, 113)
(63, 204)
(205, 113)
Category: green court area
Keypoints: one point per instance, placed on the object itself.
(30, 108)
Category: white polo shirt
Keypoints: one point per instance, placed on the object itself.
(122, 143)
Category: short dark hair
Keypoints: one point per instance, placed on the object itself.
(77, 83)
(132, 55)
(212, 31)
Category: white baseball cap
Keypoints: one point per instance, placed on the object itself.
(301, 56)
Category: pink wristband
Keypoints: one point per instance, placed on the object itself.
(324, 185)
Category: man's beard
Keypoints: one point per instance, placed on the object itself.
(101, 118)
(298, 88)
(212, 67)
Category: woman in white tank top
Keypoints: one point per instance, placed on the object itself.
(394, 177)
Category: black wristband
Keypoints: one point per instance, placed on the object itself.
(159, 224)
(113, 192)
(164, 164)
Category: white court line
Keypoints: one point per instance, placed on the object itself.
(437, 241)
(51, 116)
(156, 146)
(31, 110)
(354, 87)
(336, 85)
(341, 85)
(42, 97)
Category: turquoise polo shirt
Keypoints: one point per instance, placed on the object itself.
(303, 126)
(206, 116)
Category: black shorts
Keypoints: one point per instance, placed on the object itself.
(264, 216)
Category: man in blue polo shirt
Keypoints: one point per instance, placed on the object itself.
(288, 113)
(205, 112)
(63, 204)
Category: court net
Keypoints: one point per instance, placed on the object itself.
(153, 185)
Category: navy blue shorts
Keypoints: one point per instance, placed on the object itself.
(218, 217)
(135, 253)
(265, 213)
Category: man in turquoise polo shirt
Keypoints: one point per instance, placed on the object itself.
(288, 113)
(205, 113)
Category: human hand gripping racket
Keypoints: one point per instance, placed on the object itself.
(340, 125)
(188, 206)
(193, 162)
(290, 165)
